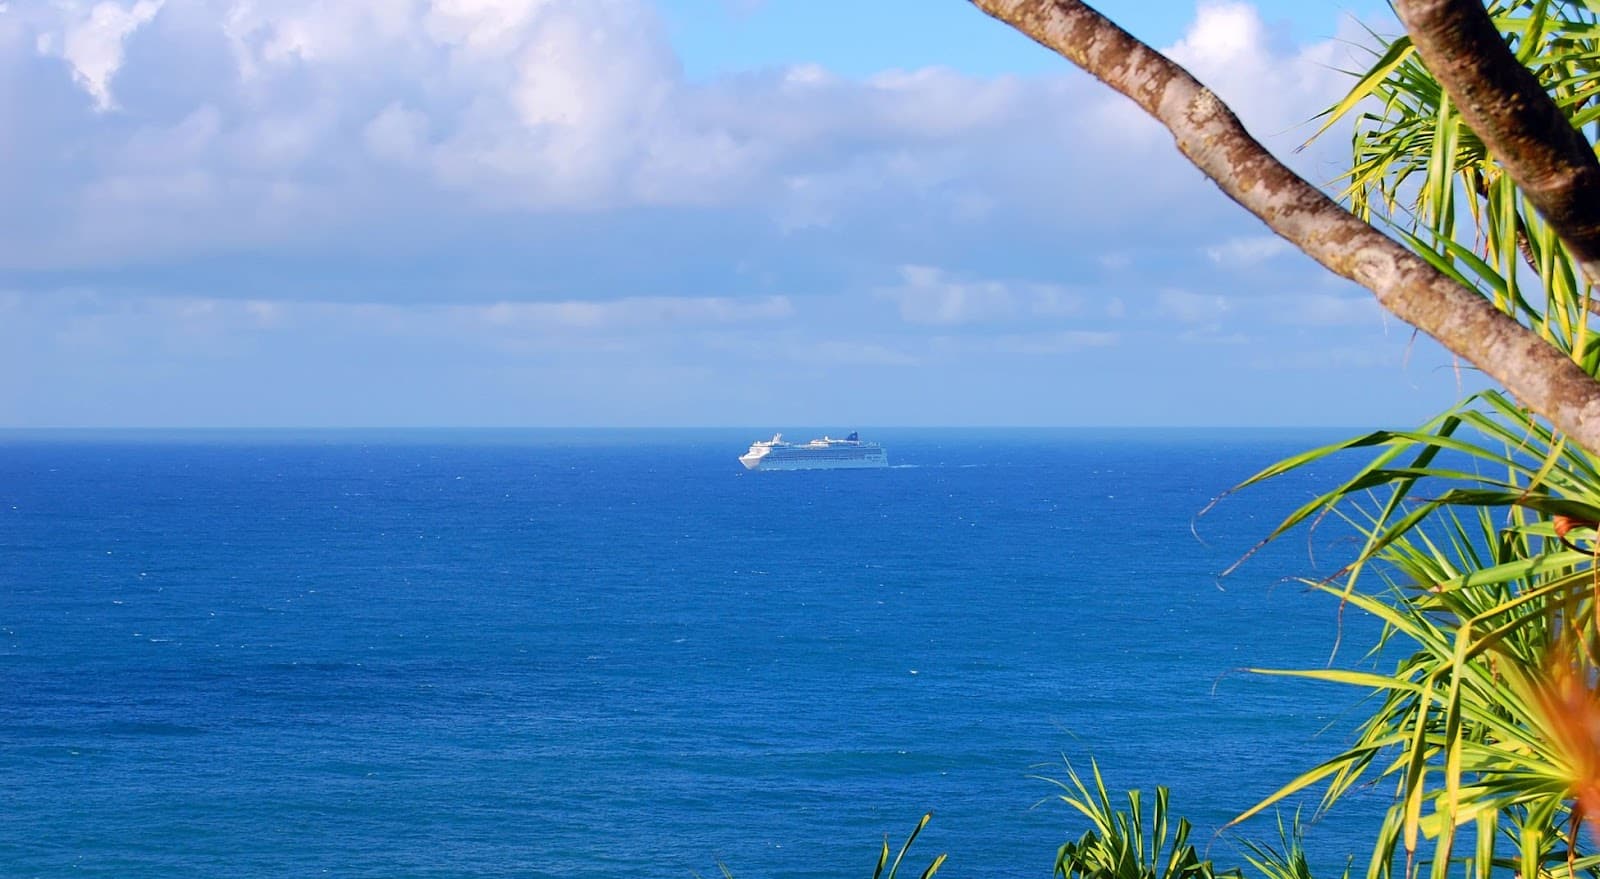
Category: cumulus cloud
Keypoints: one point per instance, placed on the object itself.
(506, 182)
(207, 126)
(1273, 85)
(90, 39)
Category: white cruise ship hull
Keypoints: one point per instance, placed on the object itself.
(826, 453)
(802, 462)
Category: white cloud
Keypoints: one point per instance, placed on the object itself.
(636, 311)
(487, 27)
(397, 134)
(1277, 88)
(1327, 309)
(928, 296)
(1247, 250)
(1223, 34)
(1268, 84)
(1212, 314)
(504, 192)
(294, 120)
(91, 38)
(222, 318)
(269, 37)
(385, 126)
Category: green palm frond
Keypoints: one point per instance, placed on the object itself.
(1121, 845)
(1475, 532)
(1288, 859)
(1417, 166)
(894, 868)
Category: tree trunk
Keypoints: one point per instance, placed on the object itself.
(1551, 162)
(1207, 132)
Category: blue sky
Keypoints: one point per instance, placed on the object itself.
(690, 212)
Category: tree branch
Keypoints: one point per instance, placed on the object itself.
(1551, 162)
(1209, 134)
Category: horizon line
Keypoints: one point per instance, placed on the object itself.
(266, 428)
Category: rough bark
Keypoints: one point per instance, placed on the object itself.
(1551, 162)
(1209, 134)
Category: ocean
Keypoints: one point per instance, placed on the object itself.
(616, 653)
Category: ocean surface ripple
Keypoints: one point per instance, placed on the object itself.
(485, 654)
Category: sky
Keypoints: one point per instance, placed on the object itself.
(766, 213)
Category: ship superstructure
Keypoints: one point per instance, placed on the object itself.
(826, 453)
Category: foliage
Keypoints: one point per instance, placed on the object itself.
(894, 869)
(1477, 528)
(1416, 165)
(1479, 533)
(1118, 846)
(1288, 862)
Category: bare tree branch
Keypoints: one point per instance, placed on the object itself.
(1510, 111)
(1209, 134)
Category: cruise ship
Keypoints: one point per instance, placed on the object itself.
(819, 454)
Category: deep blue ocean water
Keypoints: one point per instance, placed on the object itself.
(587, 653)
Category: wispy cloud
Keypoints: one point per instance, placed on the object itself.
(96, 319)
(1247, 251)
(1188, 307)
(1324, 359)
(1328, 309)
(91, 41)
(633, 311)
(1035, 344)
(927, 295)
